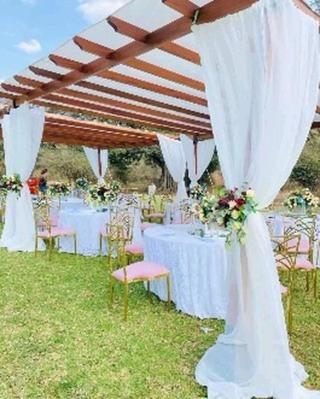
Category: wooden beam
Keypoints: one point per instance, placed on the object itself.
(184, 7)
(70, 105)
(140, 35)
(102, 51)
(122, 94)
(116, 103)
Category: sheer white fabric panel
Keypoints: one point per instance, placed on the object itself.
(92, 155)
(22, 132)
(174, 157)
(261, 70)
(205, 150)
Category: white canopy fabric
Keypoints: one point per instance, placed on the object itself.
(256, 64)
(175, 161)
(198, 156)
(99, 167)
(22, 132)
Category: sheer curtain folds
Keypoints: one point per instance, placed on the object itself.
(22, 132)
(198, 156)
(92, 155)
(261, 71)
(175, 160)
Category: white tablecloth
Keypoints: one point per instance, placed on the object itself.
(198, 269)
(87, 223)
(69, 203)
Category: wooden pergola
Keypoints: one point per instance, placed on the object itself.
(138, 67)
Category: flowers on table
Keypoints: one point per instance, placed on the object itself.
(82, 184)
(302, 198)
(198, 191)
(103, 194)
(11, 184)
(229, 209)
(58, 189)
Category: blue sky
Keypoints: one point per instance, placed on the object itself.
(31, 29)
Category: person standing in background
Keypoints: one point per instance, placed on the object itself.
(43, 184)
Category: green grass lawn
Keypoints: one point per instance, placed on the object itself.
(59, 339)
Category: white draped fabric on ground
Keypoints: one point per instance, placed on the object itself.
(22, 132)
(261, 71)
(98, 166)
(175, 161)
(198, 156)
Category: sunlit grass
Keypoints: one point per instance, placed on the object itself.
(59, 339)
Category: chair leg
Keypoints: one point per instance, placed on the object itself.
(100, 245)
(50, 247)
(75, 244)
(126, 300)
(111, 291)
(36, 246)
(149, 292)
(169, 290)
(315, 284)
(307, 282)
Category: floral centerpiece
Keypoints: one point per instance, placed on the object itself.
(228, 209)
(302, 199)
(11, 184)
(82, 184)
(58, 189)
(102, 194)
(198, 192)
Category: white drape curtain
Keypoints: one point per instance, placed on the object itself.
(92, 155)
(261, 71)
(197, 164)
(22, 132)
(175, 160)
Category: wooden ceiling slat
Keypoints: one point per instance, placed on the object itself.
(139, 34)
(131, 81)
(116, 103)
(73, 105)
(122, 94)
(170, 32)
(184, 7)
(102, 51)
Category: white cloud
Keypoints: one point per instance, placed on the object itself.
(96, 10)
(31, 46)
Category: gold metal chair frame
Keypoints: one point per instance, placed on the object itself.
(43, 216)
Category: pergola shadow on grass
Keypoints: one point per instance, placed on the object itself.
(58, 338)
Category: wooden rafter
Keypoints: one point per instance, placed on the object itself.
(174, 30)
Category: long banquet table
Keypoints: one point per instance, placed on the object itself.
(198, 268)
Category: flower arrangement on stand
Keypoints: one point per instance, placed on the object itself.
(228, 209)
(82, 184)
(58, 190)
(103, 194)
(11, 184)
(303, 200)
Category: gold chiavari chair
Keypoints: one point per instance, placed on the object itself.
(47, 230)
(286, 253)
(306, 228)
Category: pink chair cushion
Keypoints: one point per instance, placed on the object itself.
(304, 245)
(156, 215)
(305, 264)
(141, 271)
(134, 249)
(56, 232)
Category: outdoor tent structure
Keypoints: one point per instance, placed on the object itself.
(258, 86)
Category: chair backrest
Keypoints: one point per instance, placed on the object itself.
(115, 233)
(306, 228)
(42, 218)
(286, 249)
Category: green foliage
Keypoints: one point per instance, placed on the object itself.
(307, 170)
